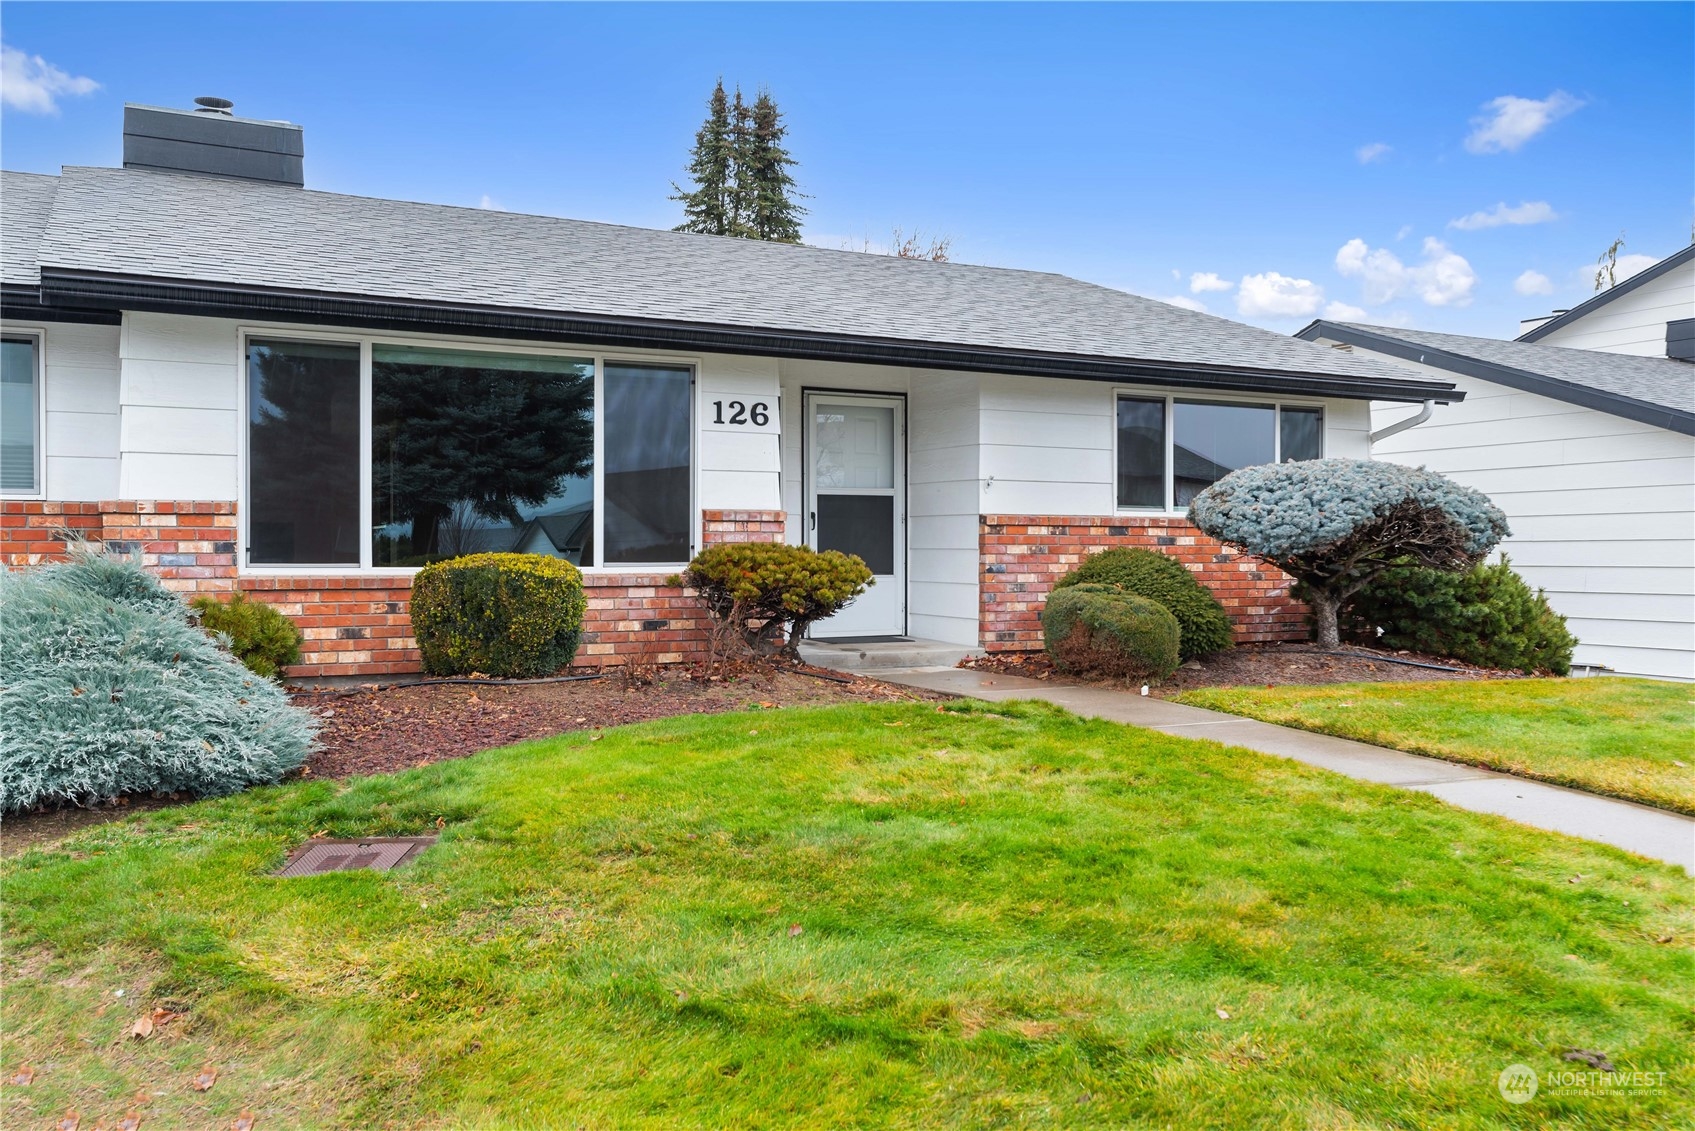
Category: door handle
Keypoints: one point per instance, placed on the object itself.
(814, 520)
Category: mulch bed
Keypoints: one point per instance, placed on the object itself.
(376, 730)
(1260, 665)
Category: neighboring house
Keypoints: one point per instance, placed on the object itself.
(302, 395)
(1650, 314)
(1591, 455)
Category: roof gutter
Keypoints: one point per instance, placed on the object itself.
(173, 296)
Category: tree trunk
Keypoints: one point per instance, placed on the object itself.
(1324, 618)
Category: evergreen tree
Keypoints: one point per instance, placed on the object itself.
(708, 208)
(772, 211)
(740, 173)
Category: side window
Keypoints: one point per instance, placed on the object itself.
(20, 416)
(1141, 452)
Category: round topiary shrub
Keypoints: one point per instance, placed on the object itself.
(1102, 630)
(1489, 616)
(1203, 625)
(107, 688)
(256, 633)
(515, 616)
(1335, 524)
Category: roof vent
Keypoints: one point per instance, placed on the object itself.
(211, 141)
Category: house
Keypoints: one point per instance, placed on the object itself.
(1590, 453)
(303, 395)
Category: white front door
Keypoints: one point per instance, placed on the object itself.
(856, 503)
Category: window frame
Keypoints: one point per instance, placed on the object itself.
(1204, 396)
(38, 335)
(366, 343)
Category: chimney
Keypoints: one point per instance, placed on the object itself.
(212, 141)
(1526, 325)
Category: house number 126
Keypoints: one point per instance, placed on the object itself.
(757, 414)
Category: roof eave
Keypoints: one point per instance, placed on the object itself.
(77, 289)
(1619, 290)
(1644, 412)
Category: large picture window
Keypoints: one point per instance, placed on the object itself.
(20, 416)
(463, 451)
(1171, 449)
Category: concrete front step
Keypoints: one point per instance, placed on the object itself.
(876, 655)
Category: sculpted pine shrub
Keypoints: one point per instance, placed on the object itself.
(766, 594)
(1336, 524)
(108, 688)
(515, 616)
(1488, 616)
(1102, 630)
(1201, 621)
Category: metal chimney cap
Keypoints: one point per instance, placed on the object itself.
(209, 105)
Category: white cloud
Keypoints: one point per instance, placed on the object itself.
(1629, 265)
(1201, 282)
(33, 85)
(1444, 278)
(1376, 151)
(1530, 212)
(1509, 121)
(1342, 312)
(1406, 230)
(1186, 303)
(488, 203)
(1271, 294)
(1533, 283)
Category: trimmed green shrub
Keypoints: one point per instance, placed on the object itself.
(1334, 524)
(516, 616)
(254, 632)
(1203, 625)
(104, 695)
(1488, 616)
(1102, 630)
(768, 593)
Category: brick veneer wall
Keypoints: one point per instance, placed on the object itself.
(1021, 556)
(358, 624)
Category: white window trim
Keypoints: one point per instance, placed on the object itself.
(39, 334)
(1170, 399)
(366, 342)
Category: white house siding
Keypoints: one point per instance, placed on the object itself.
(80, 378)
(737, 468)
(179, 390)
(1634, 322)
(1602, 512)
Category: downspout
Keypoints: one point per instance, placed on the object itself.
(1400, 426)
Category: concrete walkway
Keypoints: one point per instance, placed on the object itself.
(1649, 832)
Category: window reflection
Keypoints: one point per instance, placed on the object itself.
(478, 452)
(1212, 439)
(302, 453)
(648, 422)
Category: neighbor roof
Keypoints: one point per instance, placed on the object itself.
(1618, 291)
(140, 239)
(1653, 390)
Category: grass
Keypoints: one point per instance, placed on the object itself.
(1007, 917)
(1621, 737)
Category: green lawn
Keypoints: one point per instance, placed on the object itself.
(1623, 737)
(1006, 917)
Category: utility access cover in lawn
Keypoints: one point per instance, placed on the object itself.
(377, 854)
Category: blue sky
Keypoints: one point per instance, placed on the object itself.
(1403, 163)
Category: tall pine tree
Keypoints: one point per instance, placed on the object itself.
(740, 169)
(772, 212)
(709, 207)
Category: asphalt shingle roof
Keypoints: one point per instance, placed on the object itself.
(1657, 381)
(204, 229)
(26, 201)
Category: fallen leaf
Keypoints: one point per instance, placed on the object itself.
(1590, 1057)
(21, 1077)
(1223, 1015)
(69, 1121)
(795, 930)
(130, 1122)
(207, 1076)
(143, 1028)
(242, 1122)
(210, 749)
